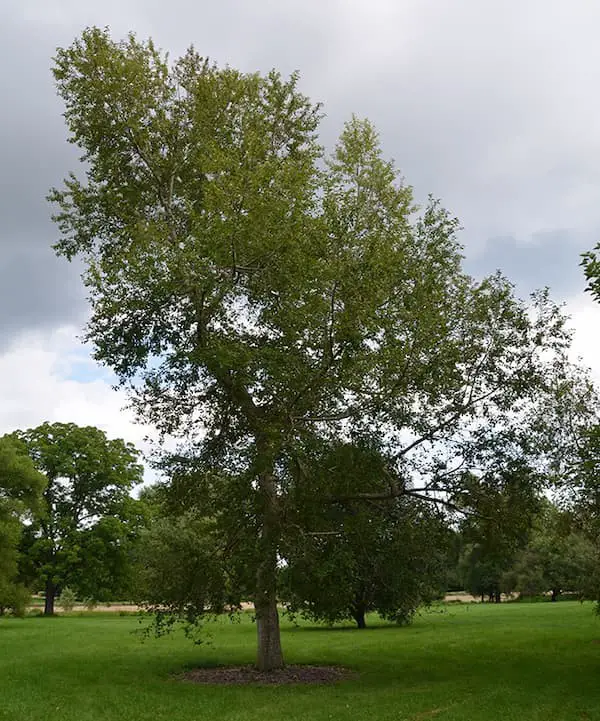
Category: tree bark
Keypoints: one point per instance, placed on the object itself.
(50, 594)
(359, 617)
(555, 593)
(269, 654)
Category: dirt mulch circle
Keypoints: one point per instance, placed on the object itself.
(243, 675)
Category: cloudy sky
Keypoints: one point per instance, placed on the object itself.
(492, 106)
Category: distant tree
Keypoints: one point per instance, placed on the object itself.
(67, 599)
(558, 557)
(195, 558)
(391, 560)
(554, 563)
(79, 535)
(481, 572)
(580, 496)
(453, 580)
(256, 294)
(21, 486)
(347, 558)
(502, 505)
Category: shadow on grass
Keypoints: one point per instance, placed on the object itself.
(324, 628)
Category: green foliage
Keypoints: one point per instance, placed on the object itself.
(82, 533)
(345, 559)
(591, 268)
(21, 486)
(14, 597)
(90, 603)
(262, 298)
(557, 558)
(184, 574)
(502, 505)
(580, 497)
(67, 599)
(390, 560)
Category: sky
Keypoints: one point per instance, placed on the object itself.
(491, 106)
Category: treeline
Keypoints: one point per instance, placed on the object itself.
(69, 525)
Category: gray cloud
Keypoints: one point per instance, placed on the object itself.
(548, 259)
(492, 107)
(37, 290)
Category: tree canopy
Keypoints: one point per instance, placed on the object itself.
(264, 299)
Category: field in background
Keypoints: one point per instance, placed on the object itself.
(455, 663)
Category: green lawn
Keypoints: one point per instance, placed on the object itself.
(465, 663)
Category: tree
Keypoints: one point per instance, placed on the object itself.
(346, 558)
(555, 564)
(20, 491)
(580, 497)
(258, 297)
(195, 558)
(391, 561)
(78, 537)
(501, 504)
(557, 558)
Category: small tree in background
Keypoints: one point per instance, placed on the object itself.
(502, 505)
(389, 560)
(350, 556)
(67, 599)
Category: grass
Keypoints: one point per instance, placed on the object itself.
(455, 663)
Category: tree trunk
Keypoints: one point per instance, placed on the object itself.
(269, 654)
(359, 617)
(50, 594)
(555, 593)
(497, 597)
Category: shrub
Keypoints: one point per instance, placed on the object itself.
(67, 599)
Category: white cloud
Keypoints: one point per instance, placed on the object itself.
(50, 377)
(585, 319)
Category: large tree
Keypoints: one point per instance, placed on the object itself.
(259, 297)
(21, 486)
(79, 535)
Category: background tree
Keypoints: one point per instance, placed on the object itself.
(579, 498)
(390, 560)
(196, 557)
(348, 557)
(79, 536)
(554, 563)
(502, 504)
(257, 297)
(21, 486)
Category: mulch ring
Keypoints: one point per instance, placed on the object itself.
(244, 675)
